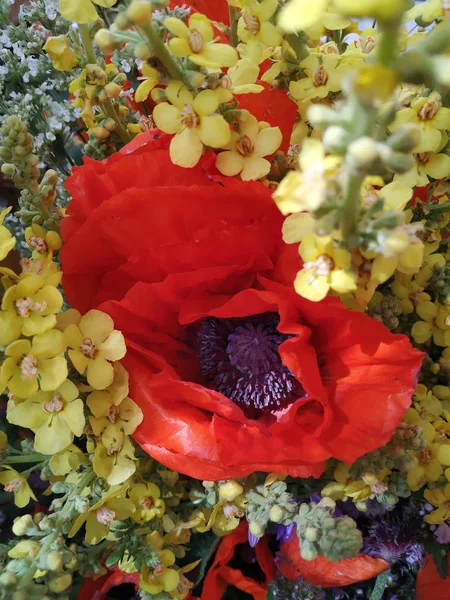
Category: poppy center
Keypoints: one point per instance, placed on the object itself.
(239, 358)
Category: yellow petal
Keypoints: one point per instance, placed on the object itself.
(343, 282)
(229, 163)
(438, 166)
(268, 141)
(167, 118)
(443, 455)
(73, 415)
(179, 47)
(206, 103)
(201, 24)
(113, 348)
(100, 373)
(214, 131)
(177, 27)
(255, 167)
(178, 94)
(144, 90)
(80, 11)
(215, 56)
(383, 268)
(300, 14)
(52, 372)
(97, 326)
(53, 437)
(186, 148)
(310, 286)
(297, 226)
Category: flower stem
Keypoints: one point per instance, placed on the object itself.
(26, 458)
(87, 43)
(352, 201)
(161, 52)
(120, 129)
(233, 25)
(388, 48)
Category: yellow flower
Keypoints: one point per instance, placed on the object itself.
(62, 55)
(432, 118)
(427, 11)
(67, 461)
(244, 154)
(114, 456)
(239, 79)
(16, 483)
(28, 308)
(326, 267)
(428, 165)
(434, 323)
(439, 497)
(36, 364)
(108, 408)
(100, 516)
(94, 342)
(254, 23)
(7, 241)
(146, 497)
(82, 11)
(159, 577)
(194, 122)
(306, 190)
(55, 417)
(313, 17)
(426, 403)
(324, 74)
(196, 40)
(149, 80)
(409, 292)
(383, 10)
(41, 242)
(25, 548)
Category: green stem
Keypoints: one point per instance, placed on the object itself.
(352, 200)
(436, 209)
(388, 49)
(161, 52)
(298, 44)
(380, 586)
(233, 25)
(437, 41)
(25, 458)
(120, 129)
(87, 43)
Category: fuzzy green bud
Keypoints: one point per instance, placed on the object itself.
(121, 22)
(61, 583)
(142, 51)
(276, 513)
(9, 170)
(311, 534)
(105, 41)
(336, 139)
(405, 139)
(363, 154)
(110, 124)
(54, 561)
(256, 529)
(140, 12)
(101, 133)
(399, 163)
(308, 552)
(21, 524)
(321, 116)
(230, 490)
(8, 579)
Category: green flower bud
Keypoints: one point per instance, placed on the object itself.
(311, 534)
(140, 12)
(230, 490)
(5, 154)
(336, 139)
(54, 561)
(363, 154)
(8, 579)
(308, 552)
(399, 163)
(405, 139)
(276, 513)
(121, 22)
(105, 41)
(61, 583)
(256, 529)
(9, 170)
(81, 504)
(21, 524)
(142, 51)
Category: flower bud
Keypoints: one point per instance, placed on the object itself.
(8, 579)
(399, 163)
(321, 116)
(142, 51)
(61, 583)
(311, 534)
(112, 89)
(406, 138)
(99, 132)
(335, 139)
(370, 478)
(110, 124)
(276, 513)
(308, 552)
(81, 504)
(230, 490)
(21, 524)
(140, 12)
(9, 170)
(256, 529)
(105, 41)
(363, 154)
(121, 22)
(54, 561)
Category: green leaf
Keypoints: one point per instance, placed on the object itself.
(440, 553)
(380, 586)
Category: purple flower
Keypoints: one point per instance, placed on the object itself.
(283, 532)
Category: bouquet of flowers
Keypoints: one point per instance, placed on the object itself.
(225, 300)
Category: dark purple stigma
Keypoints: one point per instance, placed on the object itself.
(239, 358)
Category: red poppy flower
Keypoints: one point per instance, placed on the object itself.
(216, 10)
(323, 572)
(97, 589)
(430, 584)
(234, 372)
(221, 575)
